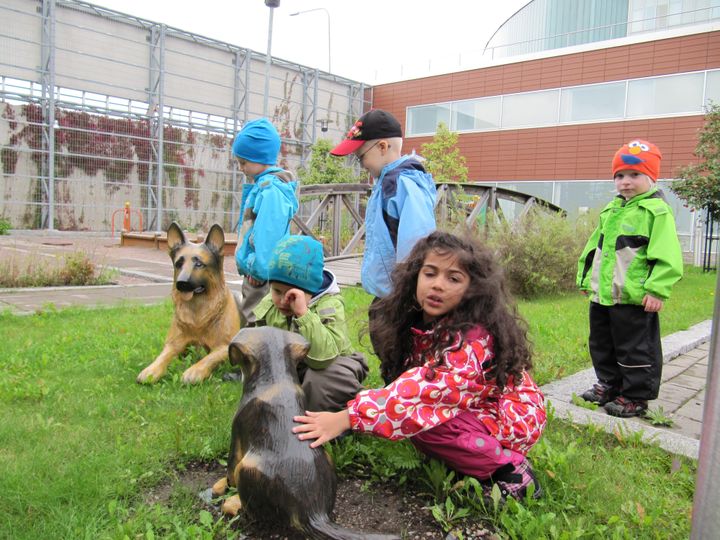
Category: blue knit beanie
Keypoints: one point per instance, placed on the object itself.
(258, 141)
(298, 261)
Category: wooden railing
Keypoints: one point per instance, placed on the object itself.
(335, 212)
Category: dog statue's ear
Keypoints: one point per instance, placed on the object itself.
(175, 237)
(297, 347)
(237, 351)
(215, 239)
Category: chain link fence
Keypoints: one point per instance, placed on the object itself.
(99, 109)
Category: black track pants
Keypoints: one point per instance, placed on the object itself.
(625, 349)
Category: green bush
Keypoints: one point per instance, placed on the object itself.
(4, 226)
(78, 269)
(75, 268)
(539, 251)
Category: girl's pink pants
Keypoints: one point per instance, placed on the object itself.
(465, 445)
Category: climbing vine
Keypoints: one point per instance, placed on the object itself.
(94, 143)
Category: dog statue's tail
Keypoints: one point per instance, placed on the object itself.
(321, 528)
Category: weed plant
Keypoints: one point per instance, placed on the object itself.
(82, 445)
(75, 268)
(540, 250)
(4, 226)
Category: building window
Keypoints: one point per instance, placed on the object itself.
(594, 102)
(530, 109)
(650, 97)
(476, 115)
(425, 119)
(658, 96)
(712, 87)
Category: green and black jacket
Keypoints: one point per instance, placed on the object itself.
(634, 251)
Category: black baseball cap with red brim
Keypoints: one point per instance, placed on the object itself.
(374, 124)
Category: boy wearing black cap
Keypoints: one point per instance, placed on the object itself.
(628, 268)
(268, 204)
(305, 298)
(400, 210)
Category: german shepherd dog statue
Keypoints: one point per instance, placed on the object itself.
(278, 477)
(206, 311)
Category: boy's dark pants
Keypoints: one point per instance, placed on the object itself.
(625, 349)
(331, 388)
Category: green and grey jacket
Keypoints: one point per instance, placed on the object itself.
(323, 325)
(634, 251)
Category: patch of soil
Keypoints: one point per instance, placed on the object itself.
(385, 508)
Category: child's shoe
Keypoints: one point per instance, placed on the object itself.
(514, 483)
(600, 393)
(626, 408)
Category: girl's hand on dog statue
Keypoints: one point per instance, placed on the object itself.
(321, 426)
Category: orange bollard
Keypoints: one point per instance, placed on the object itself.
(127, 226)
(127, 219)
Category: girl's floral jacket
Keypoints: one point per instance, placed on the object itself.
(425, 396)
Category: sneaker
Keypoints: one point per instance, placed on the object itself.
(515, 483)
(600, 393)
(626, 408)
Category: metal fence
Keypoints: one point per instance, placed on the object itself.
(98, 109)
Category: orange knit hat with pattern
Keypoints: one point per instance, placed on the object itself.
(638, 155)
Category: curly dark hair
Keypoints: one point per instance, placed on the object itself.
(487, 302)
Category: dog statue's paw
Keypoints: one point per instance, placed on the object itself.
(220, 487)
(149, 375)
(231, 506)
(194, 375)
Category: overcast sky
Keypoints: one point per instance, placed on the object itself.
(371, 40)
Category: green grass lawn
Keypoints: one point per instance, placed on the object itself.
(81, 442)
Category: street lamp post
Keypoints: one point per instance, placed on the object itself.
(328, 25)
(272, 4)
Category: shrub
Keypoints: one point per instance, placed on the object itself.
(539, 251)
(4, 226)
(74, 269)
(77, 270)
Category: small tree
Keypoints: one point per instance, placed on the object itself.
(699, 186)
(324, 168)
(444, 161)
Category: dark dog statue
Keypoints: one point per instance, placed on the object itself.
(206, 310)
(277, 476)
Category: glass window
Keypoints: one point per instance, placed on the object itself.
(531, 109)
(578, 197)
(424, 120)
(542, 190)
(665, 95)
(595, 102)
(712, 87)
(683, 216)
(476, 114)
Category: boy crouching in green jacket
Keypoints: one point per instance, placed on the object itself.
(305, 298)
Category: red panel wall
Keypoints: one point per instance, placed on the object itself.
(565, 152)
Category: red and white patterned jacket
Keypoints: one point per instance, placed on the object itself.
(412, 403)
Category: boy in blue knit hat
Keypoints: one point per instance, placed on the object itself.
(268, 204)
(305, 298)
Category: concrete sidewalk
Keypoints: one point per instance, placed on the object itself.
(682, 395)
(144, 274)
(145, 277)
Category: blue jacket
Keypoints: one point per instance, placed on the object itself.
(267, 207)
(400, 211)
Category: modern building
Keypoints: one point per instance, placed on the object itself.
(549, 110)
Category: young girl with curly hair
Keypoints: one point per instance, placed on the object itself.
(455, 356)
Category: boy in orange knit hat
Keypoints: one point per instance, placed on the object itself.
(628, 268)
